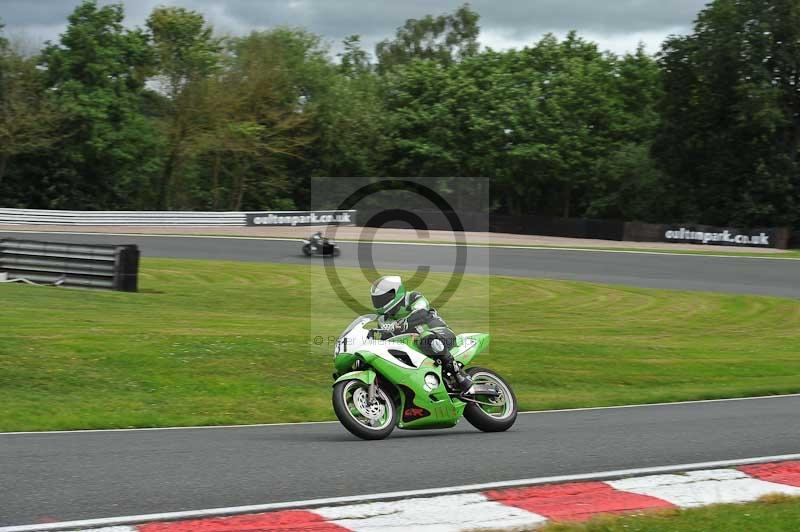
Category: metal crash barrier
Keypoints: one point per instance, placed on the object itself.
(176, 218)
(85, 265)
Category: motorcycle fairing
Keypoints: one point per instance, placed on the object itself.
(366, 376)
(468, 346)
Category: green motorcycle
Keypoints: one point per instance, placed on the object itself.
(383, 384)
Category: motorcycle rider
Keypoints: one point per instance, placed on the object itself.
(316, 238)
(402, 312)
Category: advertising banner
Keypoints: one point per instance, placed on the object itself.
(726, 236)
(299, 218)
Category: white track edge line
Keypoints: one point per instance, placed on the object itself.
(439, 244)
(191, 427)
(289, 424)
(333, 501)
(677, 403)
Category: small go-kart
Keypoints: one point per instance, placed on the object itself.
(320, 246)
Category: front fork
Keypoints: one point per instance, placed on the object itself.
(371, 393)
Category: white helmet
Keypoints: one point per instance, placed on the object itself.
(387, 294)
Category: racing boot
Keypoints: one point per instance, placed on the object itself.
(463, 380)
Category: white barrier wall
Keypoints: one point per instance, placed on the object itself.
(174, 218)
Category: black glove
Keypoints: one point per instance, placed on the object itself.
(377, 334)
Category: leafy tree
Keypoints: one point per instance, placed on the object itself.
(174, 117)
(298, 70)
(96, 77)
(444, 39)
(538, 121)
(421, 120)
(629, 183)
(577, 112)
(349, 125)
(731, 111)
(27, 118)
(342, 109)
(259, 124)
(353, 115)
(187, 55)
(354, 61)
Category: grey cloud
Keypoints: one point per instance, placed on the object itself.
(21, 13)
(517, 20)
(521, 16)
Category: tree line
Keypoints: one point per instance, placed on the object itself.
(173, 116)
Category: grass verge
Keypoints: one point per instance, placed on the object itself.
(774, 513)
(207, 342)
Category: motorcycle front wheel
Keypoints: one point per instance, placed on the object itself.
(368, 420)
(488, 413)
(307, 250)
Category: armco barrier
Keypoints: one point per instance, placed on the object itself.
(174, 218)
(133, 218)
(93, 266)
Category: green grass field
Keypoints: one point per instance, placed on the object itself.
(772, 514)
(223, 342)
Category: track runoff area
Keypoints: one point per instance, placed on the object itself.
(776, 274)
(525, 502)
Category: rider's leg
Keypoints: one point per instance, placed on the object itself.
(436, 343)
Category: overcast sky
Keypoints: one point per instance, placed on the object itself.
(618, 25)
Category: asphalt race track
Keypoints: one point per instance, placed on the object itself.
(673, 271)
(67, 476)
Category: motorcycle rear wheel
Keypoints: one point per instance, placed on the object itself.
(503, 412)
(368, 421)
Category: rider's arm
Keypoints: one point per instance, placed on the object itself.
(411, 322)
(420, 315)
(419, 321)
(417, 301)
